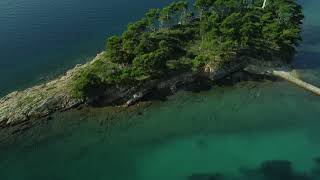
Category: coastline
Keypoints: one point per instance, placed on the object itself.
(41, 100)
(54, 96)
(150, 62)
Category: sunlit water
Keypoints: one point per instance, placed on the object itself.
(219, 131)
(227, 130)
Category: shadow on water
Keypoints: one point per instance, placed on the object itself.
(190, 136)
(267, 170)
(260, 131)
(201, 131)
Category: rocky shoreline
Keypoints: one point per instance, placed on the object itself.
(40, 101)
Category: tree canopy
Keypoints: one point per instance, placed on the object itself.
(180, 37)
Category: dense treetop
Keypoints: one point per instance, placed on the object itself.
(181, 37)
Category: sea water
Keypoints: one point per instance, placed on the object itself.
(229, 131)
(223, 131)
(41, 39)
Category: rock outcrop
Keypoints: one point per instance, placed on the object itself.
(283, 72)
(42, 100)
(38, 101)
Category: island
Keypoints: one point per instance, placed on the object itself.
(177, 47)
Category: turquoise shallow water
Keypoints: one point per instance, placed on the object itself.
(227, 130)
(219, 131)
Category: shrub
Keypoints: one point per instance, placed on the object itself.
(87, 85)
(199, 62)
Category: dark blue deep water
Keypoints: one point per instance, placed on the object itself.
(40, 39)
(191, 136)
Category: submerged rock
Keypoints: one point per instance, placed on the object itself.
(277, 169)
(316, 169)
(281, 170)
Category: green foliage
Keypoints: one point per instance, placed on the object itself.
(115, 50)
(151, 63)
(87, 84)
(230, 27)
(204, 5)
(152, 16)
(199, 62)
(182, 38)
(242, 27)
